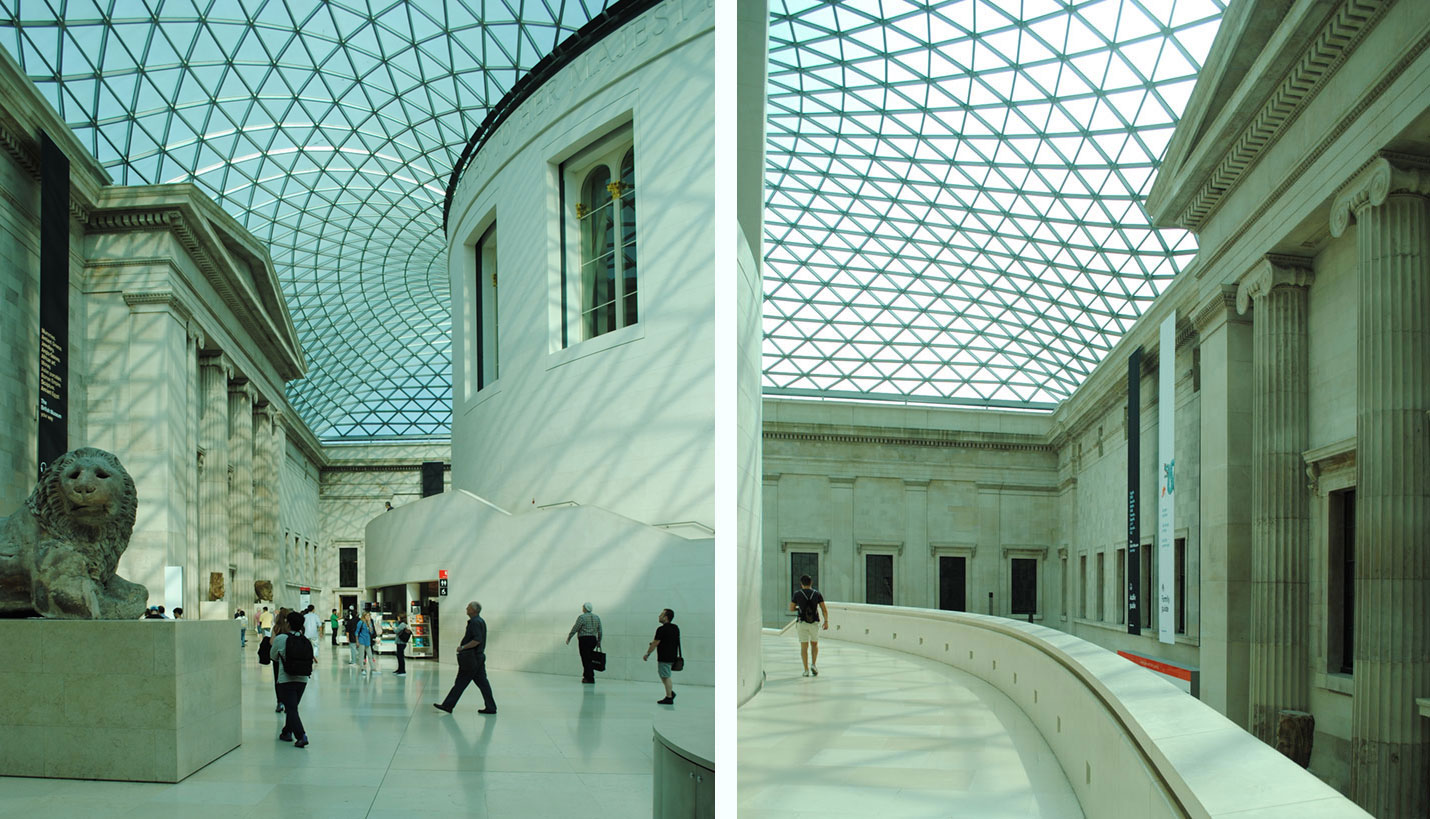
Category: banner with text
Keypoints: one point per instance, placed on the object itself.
(1166, 482)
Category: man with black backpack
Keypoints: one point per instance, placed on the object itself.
(293, 658)
(808, 602)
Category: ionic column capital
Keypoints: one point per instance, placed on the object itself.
(1386, 174)
(1273, 271)
(242, 387)
(217, 360)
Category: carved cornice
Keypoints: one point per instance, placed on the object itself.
(906, 440)
(163, 299)
(20, 148)
(804, 545)
(879, 546)
(939, 548)
(1220, 307)
(1387, 173)
(1273, 271)
(1330, 48)
(1336, 457)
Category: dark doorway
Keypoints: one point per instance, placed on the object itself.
(1025, 585)
(879, 579)
(952, 583)
(800, 564)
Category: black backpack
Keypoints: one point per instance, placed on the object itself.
(806, 606)
(297, 656)
(263, 645)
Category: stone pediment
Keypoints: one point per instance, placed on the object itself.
(233, 263)
(1269, 60)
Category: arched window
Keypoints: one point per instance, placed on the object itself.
(602, 181)
(598, 215)
(627, 196)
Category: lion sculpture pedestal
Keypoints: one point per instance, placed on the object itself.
(88, 690)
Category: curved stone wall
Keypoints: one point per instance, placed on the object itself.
(1130, 743)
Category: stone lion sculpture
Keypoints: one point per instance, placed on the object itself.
(58, 553)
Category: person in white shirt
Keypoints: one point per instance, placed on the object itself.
(310, 629)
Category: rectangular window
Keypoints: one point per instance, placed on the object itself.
(1082, 585)
(1341, 564)
(485, 291)
(1101, 586)
(1179, 548)
(1066, 589)
(1148, 558)
(1121, 588)
(1024, 591)
(952, 583)
(601, 238)
(347, 568)
(879, 579)
(800, 564)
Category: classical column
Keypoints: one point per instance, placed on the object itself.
(265, 499)
(215, 371)
(1225, 343)
(1391, 744)
(195, 586)
(1280, 522)
(240, 490)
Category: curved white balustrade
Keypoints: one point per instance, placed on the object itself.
(1130, 743)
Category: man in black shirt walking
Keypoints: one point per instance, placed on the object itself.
(471, 664)
(666, 645)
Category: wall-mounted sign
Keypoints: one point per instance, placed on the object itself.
(442, 587)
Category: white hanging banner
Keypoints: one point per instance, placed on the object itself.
(1166, 482)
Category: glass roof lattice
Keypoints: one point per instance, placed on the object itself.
(954, 191)
(329, 130)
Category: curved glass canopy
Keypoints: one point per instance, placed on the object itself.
(328, 129)
(954, 191)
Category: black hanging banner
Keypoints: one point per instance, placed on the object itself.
(1134, 455)
(53, 437)
(433, 480)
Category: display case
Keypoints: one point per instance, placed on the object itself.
(421, 643)
(386, 635)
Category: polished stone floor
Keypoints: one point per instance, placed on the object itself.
(556, 749)
(885, 734)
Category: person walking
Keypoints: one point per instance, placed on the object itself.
(587, 631)
(350, 628)
(403, 632)
(333, 629)
(242, 620)
(367, 639)
(310, 629)
(666, 646)
(471, 664)
(292, 654)
(265, 622)
(280, 627)
(808, 603)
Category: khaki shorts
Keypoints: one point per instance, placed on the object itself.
(808, 632)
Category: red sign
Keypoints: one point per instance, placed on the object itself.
(441, 574)
(304, 590)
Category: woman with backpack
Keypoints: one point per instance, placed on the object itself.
(292, 655)
(366, 637)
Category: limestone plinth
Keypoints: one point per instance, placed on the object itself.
(140, 700)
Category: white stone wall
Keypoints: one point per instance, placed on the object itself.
(624, 421)
(844, 480)
(532, 570)
(355, 484)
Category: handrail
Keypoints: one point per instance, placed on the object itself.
(1164, 775)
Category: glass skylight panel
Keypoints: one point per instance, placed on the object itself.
(328, 129)
(996, 151)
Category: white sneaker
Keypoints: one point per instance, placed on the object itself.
(814, 671)
(806, 673)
